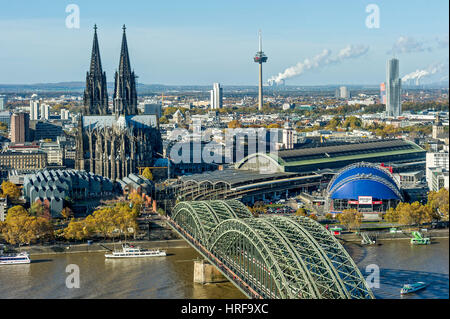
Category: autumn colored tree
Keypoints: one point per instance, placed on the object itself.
(350, 218)
(163, 120)
(66, 212)
(334, 123)
(301, 212)
(409, 214)
(36, 209)
(125, 220)
(41, 228)
(11, 190)
(147, 173)
(103, 221)
(137, 202)
(391, 215)
(352, 122)
(439, 203)
(21, 228)
(234, 124)
(76, 230)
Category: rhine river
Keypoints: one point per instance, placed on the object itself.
(171, 276)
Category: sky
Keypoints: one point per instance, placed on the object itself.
(198, 42)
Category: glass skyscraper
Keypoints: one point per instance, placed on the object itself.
(393, 88)
(216, 96)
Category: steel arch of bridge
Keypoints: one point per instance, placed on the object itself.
(278, 257)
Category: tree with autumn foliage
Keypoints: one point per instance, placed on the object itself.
(439, 202)
(66, 213)
(21, 228)
(147, 173)
(350, 218)
(11, 190)
(301, 212)
(234, 124)
(78, 230)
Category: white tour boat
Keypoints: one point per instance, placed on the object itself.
(14, 258)
(130, 251)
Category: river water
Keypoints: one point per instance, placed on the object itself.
(171, 276)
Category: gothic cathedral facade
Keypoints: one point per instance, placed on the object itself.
(114, 143)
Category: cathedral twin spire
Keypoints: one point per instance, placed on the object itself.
(96, 95)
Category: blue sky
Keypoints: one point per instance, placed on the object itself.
(200, 42)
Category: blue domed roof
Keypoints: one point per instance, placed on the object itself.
(365, 169)
(363, 179)
(364, 187)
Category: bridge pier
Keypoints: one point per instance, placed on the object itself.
(205, 273)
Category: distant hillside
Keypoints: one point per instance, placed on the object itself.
(143, 89)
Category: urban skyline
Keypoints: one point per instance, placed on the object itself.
(319, 189)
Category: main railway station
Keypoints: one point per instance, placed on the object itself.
(261, 176)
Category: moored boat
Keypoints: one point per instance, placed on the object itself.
(14, 258)
(130, 251)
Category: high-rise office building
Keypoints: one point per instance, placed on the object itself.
(45, 111)
(393, 88)
(64, 114)
(343, 92)
(20, 127)
(2, 102)
(216, 96)
(34, 110)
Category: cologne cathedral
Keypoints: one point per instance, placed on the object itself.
(114, 143)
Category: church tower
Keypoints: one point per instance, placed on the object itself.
(125, 96)
(95, 94)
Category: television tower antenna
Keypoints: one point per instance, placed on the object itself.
(260, 58)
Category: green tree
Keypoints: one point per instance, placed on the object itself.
(36, 209)
(352, 122)
(334, 123)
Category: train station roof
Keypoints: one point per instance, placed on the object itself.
(234, 177)
(293, 160)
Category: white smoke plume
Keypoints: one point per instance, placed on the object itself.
(420, 74)
(320, 60)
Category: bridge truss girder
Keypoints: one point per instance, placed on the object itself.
(278, 257)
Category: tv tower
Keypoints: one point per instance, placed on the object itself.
(260, 58)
